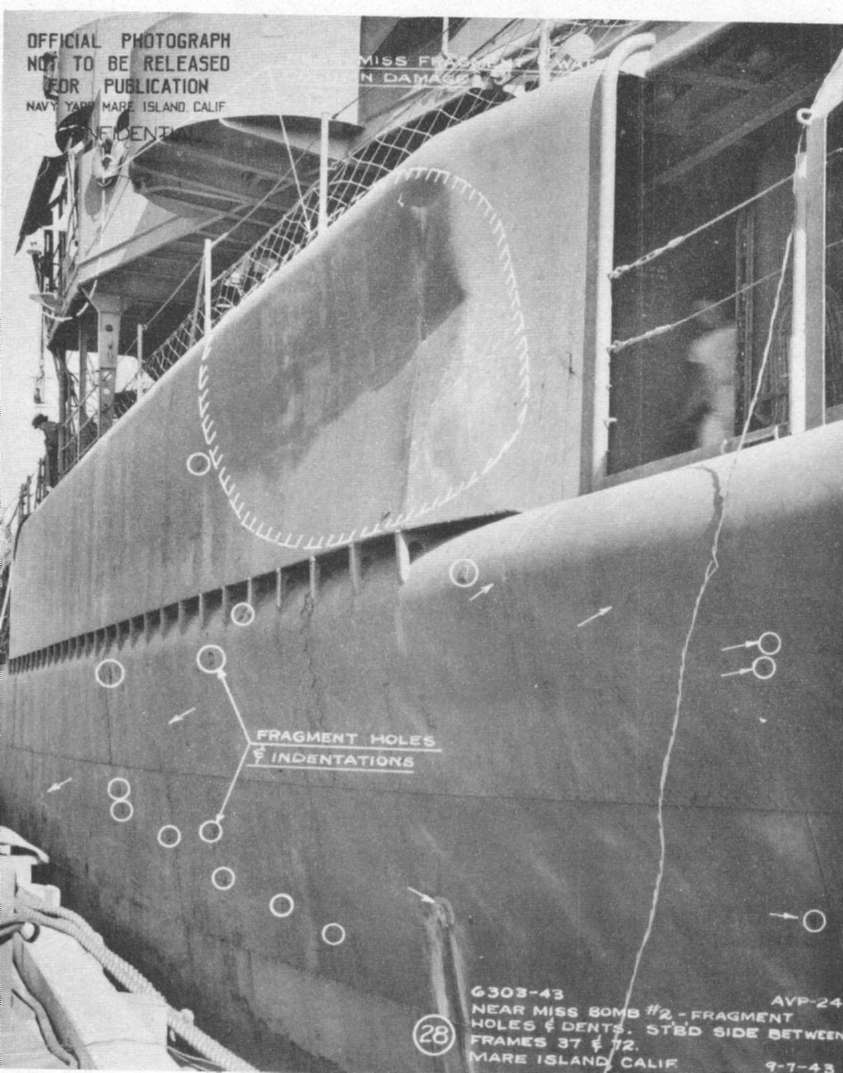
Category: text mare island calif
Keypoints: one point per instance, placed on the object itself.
(420, 640)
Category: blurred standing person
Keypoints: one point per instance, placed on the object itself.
(710, 407)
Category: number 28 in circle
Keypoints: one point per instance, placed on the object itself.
(434, 1035)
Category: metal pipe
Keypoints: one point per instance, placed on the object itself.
(324, 131)
(544, 53)
(60, 362)
(82, 412)
(5, 607)
(816, 208)
(797, 379)
(806, 358)
(140, 359)
(606, 249)
(207, 266)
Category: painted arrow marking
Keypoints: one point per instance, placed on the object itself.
(58, 785)
(597, 614)
(178, 718)
(424, 897)
(480, 592)
(784, 916)
(223, 677)
(220, 816)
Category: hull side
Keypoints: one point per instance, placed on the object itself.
(402, 370)
(532, 836)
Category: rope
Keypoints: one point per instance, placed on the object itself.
(712, 566)
(662, 329)
(51, 1040)
(678, 240)
(59, 911)
(71, 924)
(623, 344)
(621, 270)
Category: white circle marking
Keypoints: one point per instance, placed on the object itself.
(107, 664)
(461, 570)
(116, 804)
(172, 837)
(201, 466)
(114, 793)
(223, 878)
(284, 900)
(337, 934)
(821, 921)
(210, 839)
(243, 614)
(215, 653)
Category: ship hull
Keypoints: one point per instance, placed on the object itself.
(592, 800)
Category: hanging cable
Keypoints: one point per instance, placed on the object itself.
(679, 240)
(711, 568)
(621, 270)
(662, 329)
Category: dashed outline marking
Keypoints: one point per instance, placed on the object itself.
(315, 542)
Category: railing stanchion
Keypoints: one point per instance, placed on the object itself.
(323, 173)
(208, 270)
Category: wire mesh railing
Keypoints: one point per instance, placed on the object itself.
(348, 181)
(511, 62)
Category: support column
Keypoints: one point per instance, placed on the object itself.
(806, 366)
(596, 452)
(207, 279)
(109, 309)
(796, 360)
(815, 271)
(139, 349)
(324, 132)
(544, 53)
(60, 361)
(81, 414)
